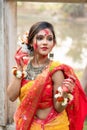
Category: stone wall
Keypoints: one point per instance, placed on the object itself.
(3, 101)
(8, 33)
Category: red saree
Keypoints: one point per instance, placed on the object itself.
(77, 109)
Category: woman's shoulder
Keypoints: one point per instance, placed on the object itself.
(56, 66)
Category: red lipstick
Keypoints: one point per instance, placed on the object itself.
(44, 48)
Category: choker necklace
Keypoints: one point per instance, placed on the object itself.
(32, 71)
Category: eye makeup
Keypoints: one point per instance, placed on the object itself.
(41, 37)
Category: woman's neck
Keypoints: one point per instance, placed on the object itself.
(40, 61)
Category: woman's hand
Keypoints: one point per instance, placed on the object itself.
(68, 84)
(20, 64)
(21, 56)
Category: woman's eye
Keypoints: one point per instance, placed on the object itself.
(39, 37)
(50, 38)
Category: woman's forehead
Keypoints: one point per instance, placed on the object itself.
(45, 31)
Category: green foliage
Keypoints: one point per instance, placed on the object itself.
(85, 125)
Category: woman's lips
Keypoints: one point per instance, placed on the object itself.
(44, 48)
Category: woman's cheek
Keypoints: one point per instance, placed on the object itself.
(35, 46)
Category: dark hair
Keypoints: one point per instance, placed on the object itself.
(38, 27)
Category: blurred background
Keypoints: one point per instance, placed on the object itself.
(70, 25)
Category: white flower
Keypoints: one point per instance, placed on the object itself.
(60, 89)
(25, 73)
(64, 102)
(60, 92)
(18, 74)
(19, 41)
(24, 48)
(57, 95)
(70, 96)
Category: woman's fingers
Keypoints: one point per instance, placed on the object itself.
(20, 55)
(69, 83)
(20, 64)
(72, 77)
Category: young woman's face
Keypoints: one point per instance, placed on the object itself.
(43, 42)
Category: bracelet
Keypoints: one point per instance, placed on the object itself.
(59, 96)
(19, 74)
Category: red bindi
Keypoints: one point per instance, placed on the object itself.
(46, 31)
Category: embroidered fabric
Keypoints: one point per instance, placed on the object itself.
(54, 121)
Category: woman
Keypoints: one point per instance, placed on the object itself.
(51, 97)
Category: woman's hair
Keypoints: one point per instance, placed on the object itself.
(38, 27)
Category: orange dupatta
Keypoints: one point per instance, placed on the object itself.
(24, 115)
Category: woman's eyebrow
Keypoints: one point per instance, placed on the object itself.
(43, 35)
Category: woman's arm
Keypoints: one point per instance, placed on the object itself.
(13, 88)
(58, 79)
(67, 86)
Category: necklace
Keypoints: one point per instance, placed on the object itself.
(32, 71)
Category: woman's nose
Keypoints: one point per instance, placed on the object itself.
(44, 41)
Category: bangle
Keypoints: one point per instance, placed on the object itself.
(19, 74)
(59, 96)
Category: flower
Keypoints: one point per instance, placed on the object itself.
(24, 74)
(59, 96)
(18, 74)
(64, 102)
(70, 96)
(23, 41)
(25, 37)
(59, 92)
